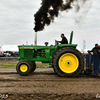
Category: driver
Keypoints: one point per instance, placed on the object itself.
(64, 40)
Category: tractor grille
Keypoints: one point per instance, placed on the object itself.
(28, 53)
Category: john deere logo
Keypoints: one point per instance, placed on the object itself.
(47, 50)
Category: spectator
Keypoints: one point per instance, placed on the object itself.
(94, 50)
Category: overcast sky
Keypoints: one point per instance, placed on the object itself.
(17, 22)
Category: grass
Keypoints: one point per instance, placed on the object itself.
(40, 66)
(7, 66)
(13, 66)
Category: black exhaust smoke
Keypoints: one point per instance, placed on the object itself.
(50, 9)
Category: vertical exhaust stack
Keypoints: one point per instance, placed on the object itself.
(36, 38)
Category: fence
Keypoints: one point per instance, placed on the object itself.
(8, 58)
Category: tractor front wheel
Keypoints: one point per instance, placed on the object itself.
(23, 68)
(33, 67)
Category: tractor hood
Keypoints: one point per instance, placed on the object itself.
(35, 47)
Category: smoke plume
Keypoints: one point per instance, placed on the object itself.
(51, 8)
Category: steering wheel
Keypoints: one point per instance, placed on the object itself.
(56, 43)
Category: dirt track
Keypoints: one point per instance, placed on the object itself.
(44, 84)
(3, 62)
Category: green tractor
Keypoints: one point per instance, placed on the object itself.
(65, 58)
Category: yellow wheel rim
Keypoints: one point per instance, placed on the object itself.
(23, 68)
(68, 63)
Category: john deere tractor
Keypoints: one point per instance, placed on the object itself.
(65, 58)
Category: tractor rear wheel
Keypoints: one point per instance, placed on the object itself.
(33, 67)
(68, 61)
(23, 68)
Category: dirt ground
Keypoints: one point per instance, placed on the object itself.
(44, 84)
(8, 62)
(15, 62)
